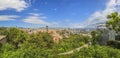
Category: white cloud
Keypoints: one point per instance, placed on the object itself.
(100, 16)
(18, 5)
(34, 14)
(36, 9)
(35, 18)
(8, 17)
(38, 19)
(76, 25)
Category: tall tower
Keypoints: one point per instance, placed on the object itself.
(46, 28)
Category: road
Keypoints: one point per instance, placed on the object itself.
(72, 51)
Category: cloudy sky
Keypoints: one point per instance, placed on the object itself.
(56, 13)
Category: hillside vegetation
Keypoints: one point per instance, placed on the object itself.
(41, 45)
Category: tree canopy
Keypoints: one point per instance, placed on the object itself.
(114, 21)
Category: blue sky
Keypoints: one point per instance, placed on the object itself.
(55, 13)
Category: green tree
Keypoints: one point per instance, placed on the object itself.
(3, 31)
(16, 36)
(94, 37)
(114, 21)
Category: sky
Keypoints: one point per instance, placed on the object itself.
(56, 13)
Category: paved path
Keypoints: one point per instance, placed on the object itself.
(2, 37)
(70, 52)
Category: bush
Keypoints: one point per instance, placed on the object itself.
(115, 44)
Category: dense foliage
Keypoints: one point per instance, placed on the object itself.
(41, 45)
(96, 37)
(115, 44)
(114, 22)
(74, 41)
(37, 45)
(95, 52)
(3, 31)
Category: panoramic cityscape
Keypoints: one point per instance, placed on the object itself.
(59, 28)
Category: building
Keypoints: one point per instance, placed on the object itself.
(107, 34)
(55, 35)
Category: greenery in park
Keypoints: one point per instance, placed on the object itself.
(74, 41)
(114, 22)
(3, 31)
(40, 45)
(95, 51)
(95, 37)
